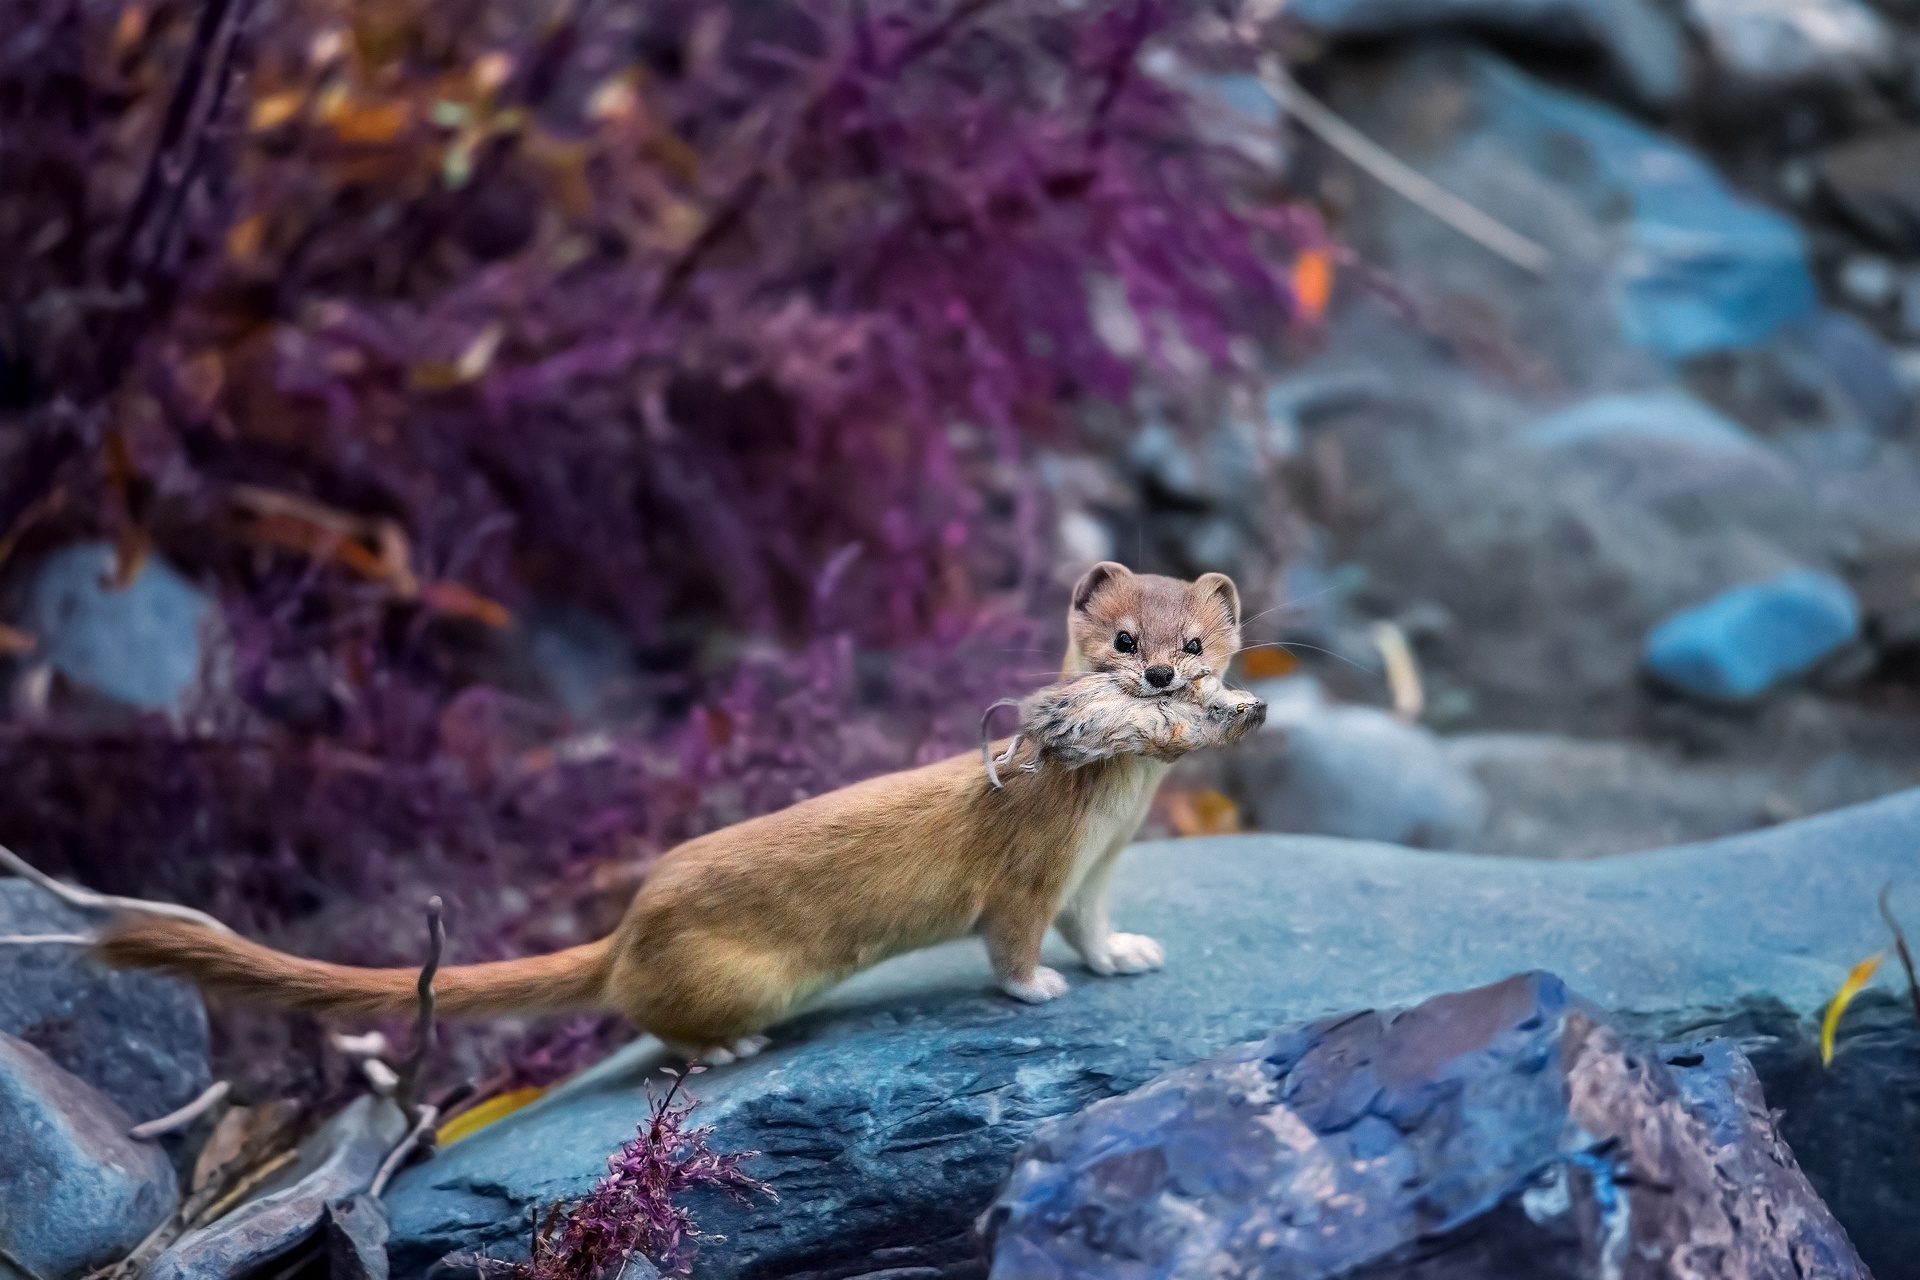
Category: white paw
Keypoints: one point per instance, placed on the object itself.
(718, 1057)
(1127, 953)
(747, 1046)
(1046, 984)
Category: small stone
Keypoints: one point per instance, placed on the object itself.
(1786, 42)
(1868, 280)
(76, 1193)
(356, 1239)
(1739, 645)
(337, 1163)
(139, 645)
(1876, 182)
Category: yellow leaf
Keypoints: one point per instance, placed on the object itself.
(1861, 975)
(275, 110)
(468, 1123)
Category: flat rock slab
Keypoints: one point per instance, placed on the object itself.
(890, 1117)
(139, 1038)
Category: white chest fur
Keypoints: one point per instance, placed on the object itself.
(1116, 815)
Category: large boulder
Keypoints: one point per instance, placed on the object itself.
(889, 1117)
(1506, 1131)
(1641, 39)
(76, 1193)
(1321, 768)
(139, 1038)
(1681, 263)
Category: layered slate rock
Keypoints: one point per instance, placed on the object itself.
(138, 1038)
(890, 1117)
(1502, 1131)
(76, 1193)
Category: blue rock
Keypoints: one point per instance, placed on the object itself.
(1701, 269)
(1664, 417)
(139, 646)
(889, 1117)
(76, 1193)
(1642, 39)
(138, 1038)
(1506, 1131)
(1738, 645)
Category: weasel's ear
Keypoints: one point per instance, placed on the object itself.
(1219, 584)
(1099, 576)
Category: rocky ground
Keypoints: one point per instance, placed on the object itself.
(1543, 478)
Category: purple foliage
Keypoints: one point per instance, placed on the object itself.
(635, 1208)
(394, 322)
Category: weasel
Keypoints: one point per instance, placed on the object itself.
(733, 929)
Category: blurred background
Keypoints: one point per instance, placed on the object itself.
(468, 446)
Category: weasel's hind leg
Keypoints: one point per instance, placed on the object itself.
(708, 1003)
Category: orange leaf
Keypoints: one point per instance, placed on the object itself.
(1269, 664)
(373, 125)
(244, 241)
(457, 601)
(1313, 281)
(1202, 813)
(13, 641)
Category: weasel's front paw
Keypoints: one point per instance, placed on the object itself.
(1127, 953)
(1046, 984)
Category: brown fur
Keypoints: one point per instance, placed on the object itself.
(733, 929)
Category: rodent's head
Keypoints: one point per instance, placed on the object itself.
(1159, 634)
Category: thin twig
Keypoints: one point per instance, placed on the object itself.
(986, 741)
(416, 1136)
(408, 1090)
(1396, 174)
(1900, 947)
(180, 1119)
(102, 901)
(48, 940)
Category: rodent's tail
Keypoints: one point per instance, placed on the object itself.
(252, 974)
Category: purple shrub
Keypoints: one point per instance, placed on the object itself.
(635, 1208)
(393, 322)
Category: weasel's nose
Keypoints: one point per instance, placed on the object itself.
(1159, 677)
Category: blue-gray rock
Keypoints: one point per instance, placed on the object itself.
(337, 1163)
(140, 645)
(357, 1239)
(889, 1117)
(1768, 44)
(1505, 1131)
(1664, 416)
(76, 1193)
(138, 1038)
(1355, 771)
(1742, 643)
(1875, 180)
(1640, 38)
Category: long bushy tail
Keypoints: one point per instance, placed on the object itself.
(247, 972)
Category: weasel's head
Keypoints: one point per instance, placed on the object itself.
(1158, 634)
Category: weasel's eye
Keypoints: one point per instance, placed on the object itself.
(1125, 643)
(1193, 646)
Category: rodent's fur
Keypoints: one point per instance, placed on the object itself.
(733, 929)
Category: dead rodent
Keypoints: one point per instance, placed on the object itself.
(734, 929)
(1097, 717)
